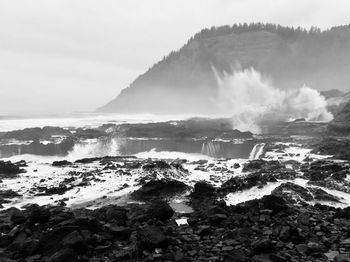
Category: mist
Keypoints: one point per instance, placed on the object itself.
(63, 56)
(252, 99)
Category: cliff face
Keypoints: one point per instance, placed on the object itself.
(184, 81)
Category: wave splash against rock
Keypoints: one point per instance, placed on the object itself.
(252, 99)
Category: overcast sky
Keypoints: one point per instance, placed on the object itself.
(64, 56)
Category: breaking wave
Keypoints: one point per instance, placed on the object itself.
(95, 148)
(251, 99)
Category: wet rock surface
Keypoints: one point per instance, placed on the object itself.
(283, 225)
(159, 188)
(36, 133)
(7, 168)
(338, 147)
(268, 229)
(186, 135)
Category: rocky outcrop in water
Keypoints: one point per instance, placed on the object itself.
(36, 133)
(336, 147)
(7, 168)
(191, 128)
(160, 189)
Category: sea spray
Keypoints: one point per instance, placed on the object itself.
(252, 99)
(211, 149)
(257, 151)
(106, 146)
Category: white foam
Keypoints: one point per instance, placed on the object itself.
(171, 155)
(252, 99)
(252, 193)
(257, 151)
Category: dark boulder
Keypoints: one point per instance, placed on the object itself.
(321, 195)
(9, 168)
(8, 194)
(38, 214)
(116, 214)
(158, 164)
(29, 247)
(236, 255)
(75, 241)
(159, 188)
(292, 192)
(160, 210)
(51, 240)
(120, 232)
(203, 188)
(274, 203)
(343, 213)
(18, 217)
(61, 163)
(246, 182)
(151, 237)
(263, 246)
(263, 165)
(56, 190)
(64, 255)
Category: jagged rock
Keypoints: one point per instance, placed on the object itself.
(152, 237)
(343, 213)
(274, 203)
(246, 182)
(204, 230)
(321, 195)
(337, 147)
(61, 163)
(160, 164)
(29, 247)
(116, 214)
(18, 217)
(38, 214)
(9, 193)
(59, 190)
(263, 246)
(303, 218)
(342, 258)
(263, 166)
(202, 188)
(341, 175)
(235, 255)
(159, 188)
(261, 258)
(8, 168)
(63, 255)
(75, 241)
(160, 210)
(120, 232)
(292, 192)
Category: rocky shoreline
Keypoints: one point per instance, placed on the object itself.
(290, 223)
(268, 229)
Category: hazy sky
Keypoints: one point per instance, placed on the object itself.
(64, 56)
